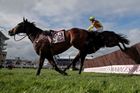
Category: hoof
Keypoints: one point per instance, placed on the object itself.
(37, 74)
(64, 70)
(65, 74)
(75, 69)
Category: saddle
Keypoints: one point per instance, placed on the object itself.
(56, 36)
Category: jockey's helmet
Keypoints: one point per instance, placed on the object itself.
(91, 18)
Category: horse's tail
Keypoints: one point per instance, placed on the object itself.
(123, 39)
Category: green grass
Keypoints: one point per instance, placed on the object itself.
(25, 81)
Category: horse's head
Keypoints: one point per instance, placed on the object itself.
(22, 27)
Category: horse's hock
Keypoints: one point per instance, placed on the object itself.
(129, 57)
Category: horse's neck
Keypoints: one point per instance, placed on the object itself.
(34, 34)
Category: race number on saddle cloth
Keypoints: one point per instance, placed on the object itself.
(95, 24)
(57, 36)
(53, 36)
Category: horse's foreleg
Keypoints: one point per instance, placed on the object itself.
(73, 63)
(82, 55)
(41, 61)
(120, 47)
(125, 48)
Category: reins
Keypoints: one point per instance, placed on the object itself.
(20, 38)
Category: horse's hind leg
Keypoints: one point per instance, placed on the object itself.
(52, 62)
(73, 62)
(82, 56)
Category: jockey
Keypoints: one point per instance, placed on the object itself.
(96, 24)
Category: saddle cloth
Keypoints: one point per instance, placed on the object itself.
(58, 36)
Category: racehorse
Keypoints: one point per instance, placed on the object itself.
(86, 42)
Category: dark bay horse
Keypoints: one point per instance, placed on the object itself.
(86, 42)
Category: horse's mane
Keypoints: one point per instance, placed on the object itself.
(32, 25)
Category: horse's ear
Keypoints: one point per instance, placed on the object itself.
(25, 20)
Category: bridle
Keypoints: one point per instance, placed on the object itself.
(20, 38)
(19, 35)
(23, 36)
